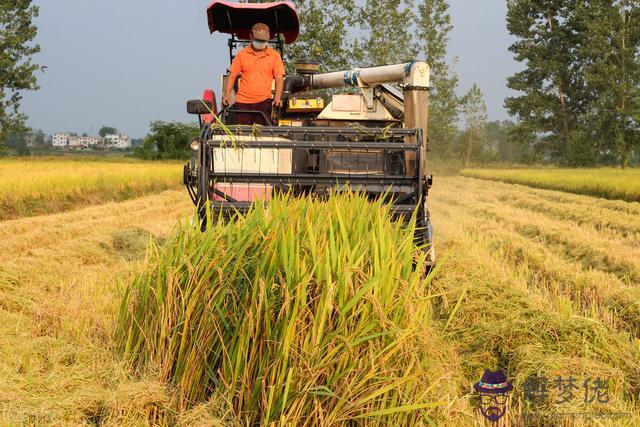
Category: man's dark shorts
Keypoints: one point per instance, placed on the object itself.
(251, 118)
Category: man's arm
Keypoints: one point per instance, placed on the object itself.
(278, 75)
(277, 99)
(231, 80)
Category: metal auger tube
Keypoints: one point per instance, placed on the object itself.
(413, 75)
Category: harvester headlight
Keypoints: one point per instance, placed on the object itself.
(195, 144)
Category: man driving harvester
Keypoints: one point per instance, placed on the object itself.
(258, 65)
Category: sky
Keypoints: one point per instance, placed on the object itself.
(125, 63)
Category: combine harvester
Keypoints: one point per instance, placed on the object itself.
(373, 141)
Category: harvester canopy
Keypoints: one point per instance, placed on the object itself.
(238, 18)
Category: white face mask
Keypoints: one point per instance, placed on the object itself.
(259, 45)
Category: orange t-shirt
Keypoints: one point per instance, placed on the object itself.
(258, 69)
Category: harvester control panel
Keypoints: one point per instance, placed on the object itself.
(301, 111)
(305, 105)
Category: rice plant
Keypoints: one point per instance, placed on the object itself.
(302, 312)
(602, 182)
(39, 186)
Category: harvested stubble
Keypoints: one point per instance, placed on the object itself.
(301, 313)
(58, 311)
(510, 300)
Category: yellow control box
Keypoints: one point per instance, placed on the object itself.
(306, 104)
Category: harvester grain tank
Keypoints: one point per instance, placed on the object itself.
(372, 139)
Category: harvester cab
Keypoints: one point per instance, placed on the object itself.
(372, 140)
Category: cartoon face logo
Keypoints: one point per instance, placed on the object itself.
(494, 390)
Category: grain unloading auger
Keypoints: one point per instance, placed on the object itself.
(372, 141)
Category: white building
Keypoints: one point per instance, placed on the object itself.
(90, 141)
(74, 142)
(118, 141)
(61, 139)
(84, 141)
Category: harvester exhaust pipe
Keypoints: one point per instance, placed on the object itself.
(413, 75)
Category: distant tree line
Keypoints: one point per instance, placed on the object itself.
(22, 143)
(167, 140)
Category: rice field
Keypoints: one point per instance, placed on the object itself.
(39, 186)
(608, 183)
(540, 283)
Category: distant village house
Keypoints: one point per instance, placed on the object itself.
(66, 140)
(121, 141)
(61, 139)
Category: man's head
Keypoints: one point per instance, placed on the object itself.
(260, 36)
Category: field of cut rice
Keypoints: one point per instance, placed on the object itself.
(542, 284)
(40, 186)
(608, 183)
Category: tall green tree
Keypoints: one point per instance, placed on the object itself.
(610, 51)
(107, 130)
(433, 26)
(475, 114)
(17, 71)
(324, 33)
(386, 24)
(552, 98)
(498, 136)
(507, 144)
(168, 140)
